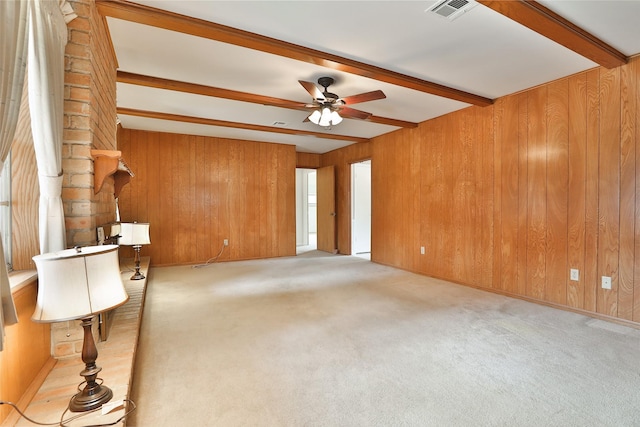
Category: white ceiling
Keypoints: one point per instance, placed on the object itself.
(481, 52)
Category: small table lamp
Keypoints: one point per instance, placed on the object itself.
(78, 284)
(114, 233)
(135, 234)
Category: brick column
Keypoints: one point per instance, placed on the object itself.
(90, 123)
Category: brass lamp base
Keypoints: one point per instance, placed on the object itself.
(94, 394)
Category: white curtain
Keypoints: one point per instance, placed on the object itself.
(47, 41)
(13, 49)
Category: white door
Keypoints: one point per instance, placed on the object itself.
(361, 208)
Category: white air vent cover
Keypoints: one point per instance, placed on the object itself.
(451, 9)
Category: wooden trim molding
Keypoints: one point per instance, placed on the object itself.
(223, 123)
(146, 15)
(544, 21)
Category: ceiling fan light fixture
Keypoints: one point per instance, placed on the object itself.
(335, 118)
(325, 119)
(315, 117)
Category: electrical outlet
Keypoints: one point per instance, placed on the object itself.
(606, 282)
(226, 242)
(421, 250)
(575, 275)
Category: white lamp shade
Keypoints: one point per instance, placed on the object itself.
(74, 285)
(115, 229)
(134, 233)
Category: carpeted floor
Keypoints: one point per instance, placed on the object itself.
(325, 340)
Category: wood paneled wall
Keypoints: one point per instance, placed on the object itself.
(342, 160)
(197, 191)
(308, 160)
(27, 352)
(512, 196)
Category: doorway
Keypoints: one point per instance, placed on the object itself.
(306, 210)
(361, 209)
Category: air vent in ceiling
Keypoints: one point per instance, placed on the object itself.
(451, 9)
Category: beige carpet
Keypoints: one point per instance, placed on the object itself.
(324, 340)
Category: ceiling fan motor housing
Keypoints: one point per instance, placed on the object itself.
(325, 82)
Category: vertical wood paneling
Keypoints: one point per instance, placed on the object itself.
(592, 184)
(628, 87)
(198, 191)
(224, 195)
(27, 350)
(202, 201)
(308, 160)
(415, 201)
(286, 201)
(609, 190)
(181, 195)
(463, 199)
(577, 187)
(486, 142)
(509, 194)
(499, 119)
(264, 198)
(537, 193)
(378, 201)
(426, 185)
(523, 199)
(557, 192)
(213, 197)
(636, 293)
(237, 205)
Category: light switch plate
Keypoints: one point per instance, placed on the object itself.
(606, 282)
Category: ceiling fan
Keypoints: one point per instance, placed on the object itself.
(329, 108)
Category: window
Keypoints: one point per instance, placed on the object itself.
(5, 210)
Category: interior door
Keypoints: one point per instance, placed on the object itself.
(326, 188)
(361, 208)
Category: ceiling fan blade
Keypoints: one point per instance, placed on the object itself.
(312, 89)
(364, 97)
(352, 113)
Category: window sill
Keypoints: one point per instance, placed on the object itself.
(20, 279)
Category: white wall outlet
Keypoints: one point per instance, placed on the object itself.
(575, 275)
(421, 250)
(606, 282)
(226, 242)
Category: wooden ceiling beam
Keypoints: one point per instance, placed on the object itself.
(141, 14)
(160, 83)
(544, 21)
(236, 125)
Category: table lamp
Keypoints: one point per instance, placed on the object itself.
(135, 234)
(79, 284)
